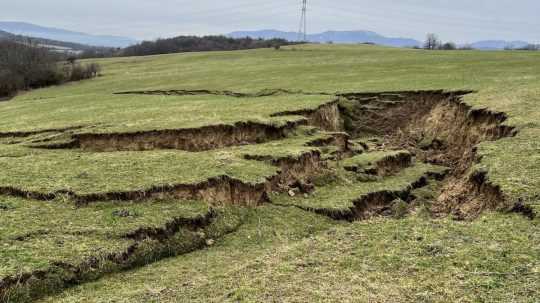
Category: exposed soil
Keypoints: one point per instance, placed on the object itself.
(437, 127)
(195, 139)
(220, 190)
(325, 117)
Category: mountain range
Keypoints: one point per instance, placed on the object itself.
(366, 37)
(498, 44)
(331, 36)
(32, 30)
(54, 45)
(49, 33)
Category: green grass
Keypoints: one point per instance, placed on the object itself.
(107, 113)
(340, 194)
(504, 81)
(286, 255)
(36, 234)
(369, 160)
(83, 173)
(280, 253)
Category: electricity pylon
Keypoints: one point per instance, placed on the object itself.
(302, 32)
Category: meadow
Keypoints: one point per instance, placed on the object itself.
(335, 173)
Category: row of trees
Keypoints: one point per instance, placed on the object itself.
(185, 44)
(198, 44)
(25, 66)
(433, 43)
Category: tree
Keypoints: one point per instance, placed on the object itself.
(449, 46)
(71, 60)
(432, 42)
(530, 47)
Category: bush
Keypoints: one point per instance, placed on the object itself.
(10, 83)
(80, 72)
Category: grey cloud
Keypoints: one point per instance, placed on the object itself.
(457, 20)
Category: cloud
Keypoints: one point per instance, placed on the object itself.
(457, 20)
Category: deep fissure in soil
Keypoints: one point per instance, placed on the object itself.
(439, 128)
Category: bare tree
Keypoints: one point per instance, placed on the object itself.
(432, 42)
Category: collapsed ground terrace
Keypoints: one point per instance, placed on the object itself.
(352, 157)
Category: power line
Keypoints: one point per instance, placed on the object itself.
(302, 31)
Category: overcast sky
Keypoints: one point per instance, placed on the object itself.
(457, 20)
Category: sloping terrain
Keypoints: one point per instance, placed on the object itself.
(276, 175)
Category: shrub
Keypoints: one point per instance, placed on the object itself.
(80, 72)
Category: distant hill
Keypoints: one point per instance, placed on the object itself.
(5, 35)
(58, 46)
(498, 44)
(333, 36)
(28, 29)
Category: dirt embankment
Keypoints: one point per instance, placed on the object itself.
(196, 139)
(325, 117)
(437, 127)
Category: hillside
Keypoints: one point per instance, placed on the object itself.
(54, 45)
(311, 173)
(32, 30)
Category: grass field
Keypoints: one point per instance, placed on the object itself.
(236, 166)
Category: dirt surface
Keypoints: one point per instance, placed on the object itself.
(439, 128)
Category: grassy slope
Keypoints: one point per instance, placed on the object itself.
(340, 195)
(71, 234)
(50, 171)
(107, 113)
(505, 81)
(443, 265)
(285, 255)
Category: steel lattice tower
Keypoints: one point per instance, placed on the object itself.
(302, 32)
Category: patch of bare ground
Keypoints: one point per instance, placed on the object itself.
(439, 128)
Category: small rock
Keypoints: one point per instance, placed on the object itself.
(292, 193)
(210, 242)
